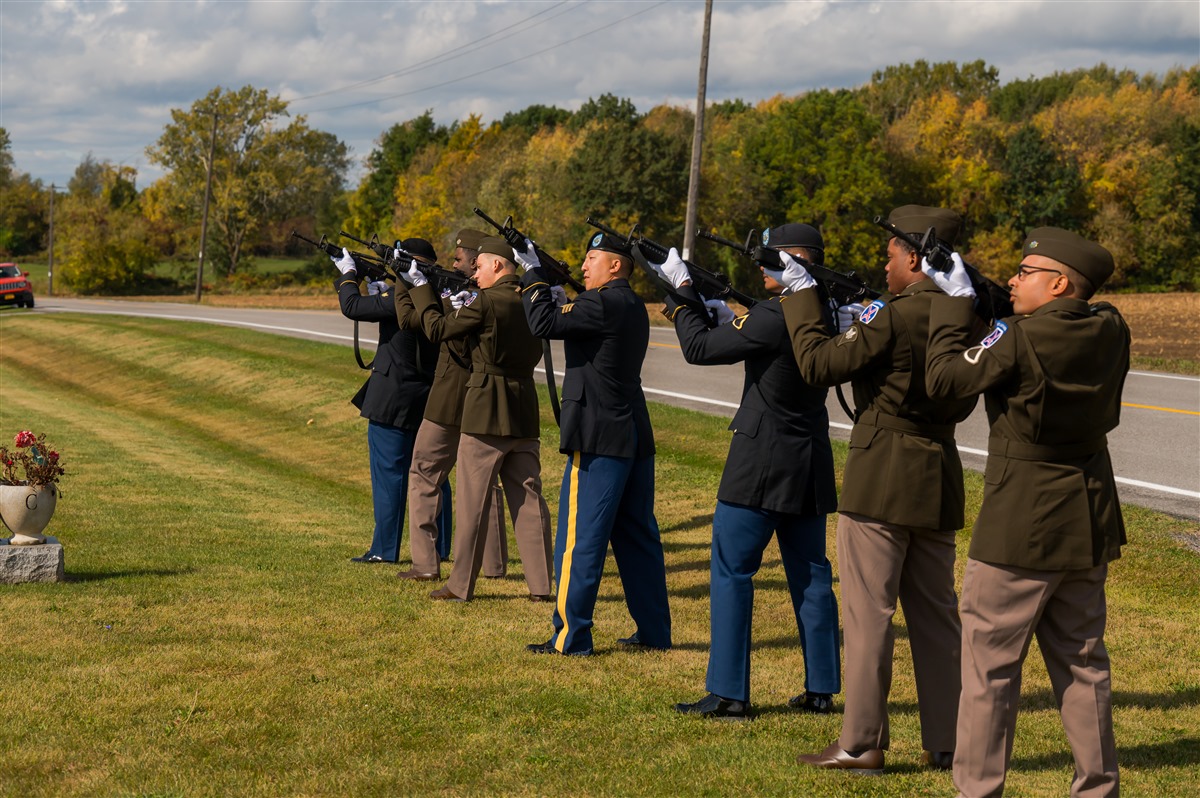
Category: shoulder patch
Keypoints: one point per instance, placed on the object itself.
(470, 299)
(871, 312)
(850, 335)
(994, 336)
(446, 292)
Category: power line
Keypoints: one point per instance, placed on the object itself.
(449, 55)
(491, 68)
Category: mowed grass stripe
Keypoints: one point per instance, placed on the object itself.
(217, 642)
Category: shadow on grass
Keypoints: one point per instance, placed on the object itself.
(1175, 753)
(695, 522)
(1043, 699)
(101, 576)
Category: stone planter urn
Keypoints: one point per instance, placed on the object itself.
(26, 510)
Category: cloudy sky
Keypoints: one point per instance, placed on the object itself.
(101, 77)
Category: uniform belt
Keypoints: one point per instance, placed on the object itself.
(873, 418)
(1019, 450)
(500, 372)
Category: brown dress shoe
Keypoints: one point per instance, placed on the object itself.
(938, 760)
(866, 763)
(443, 594)
(418, 576)
(536, 598)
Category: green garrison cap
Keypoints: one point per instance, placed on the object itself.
(1086, 257)
(495, 245)
(916, 219)
(606, 243)
(469, 238)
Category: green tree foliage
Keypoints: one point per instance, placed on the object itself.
(605, 108)
(263, 170)
(23, 207)
(1040, 188)
(102, 240)
(893, 90)
(534, 118)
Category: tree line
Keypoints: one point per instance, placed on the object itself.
(1110, 153)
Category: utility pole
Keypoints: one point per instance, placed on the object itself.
(212, 148)
(693, 197)
(50, 268)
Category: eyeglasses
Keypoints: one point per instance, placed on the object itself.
(1024, 271)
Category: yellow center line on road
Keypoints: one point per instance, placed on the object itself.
(667, 346)
(1164, 409)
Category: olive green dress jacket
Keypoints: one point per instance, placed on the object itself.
(903, 467)
(1052, 385)
(501, 398)
(445, 404)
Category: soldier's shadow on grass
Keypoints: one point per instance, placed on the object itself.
(695, 522)
(1043, 699)
(101, 576)
(1174, 753)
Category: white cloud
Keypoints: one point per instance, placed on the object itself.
(102, 77)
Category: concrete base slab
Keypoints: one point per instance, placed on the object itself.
(41, 563)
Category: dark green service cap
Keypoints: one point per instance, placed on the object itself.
(606, 243)
(794, 235)
(1086, 257)
(419, 247)
(495, 245)
(916, 219)
(469, 238)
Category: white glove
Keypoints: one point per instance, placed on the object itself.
(955, 282)
(345, 263)
(673, 269)
(723, 313)
(560, 295)
(527, 259)
(376, 287)
(460, 299)
(793, 277)
(413, 276)
(848, 314)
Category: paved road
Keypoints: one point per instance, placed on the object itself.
(1155, 451)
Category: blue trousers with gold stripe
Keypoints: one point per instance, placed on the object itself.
(740, 534)
(608, 500)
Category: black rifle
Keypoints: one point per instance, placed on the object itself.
(365, 265)
(992, 300)
(442, 278)
(558, 272)
(843, 289)
(709, 284)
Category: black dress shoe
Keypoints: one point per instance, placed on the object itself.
(938, 760)
(369, 558)
(633, 641)
(866, 763)
(819, 703)
(713, 706)
(548, 648)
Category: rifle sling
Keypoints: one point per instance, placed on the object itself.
(357, 354)
(548, 361)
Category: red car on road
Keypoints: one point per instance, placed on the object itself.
(15, 288)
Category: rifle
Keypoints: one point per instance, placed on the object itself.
(364, 265)
(711, 285)
(843, 289)
(557, 270)
(443, 278)
(992, 300)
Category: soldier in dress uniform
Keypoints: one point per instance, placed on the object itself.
(778, 480)
(1051, 377)
(901, 502)
(500, 422)
(392, 400)
(608, 485)
(436, 447)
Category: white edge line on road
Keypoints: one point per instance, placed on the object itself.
(703, 400)
(1165, 376)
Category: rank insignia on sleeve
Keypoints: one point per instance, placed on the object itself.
(567, 308)
(740, 320)
(994, 335)
(850, 336)
(871, 312)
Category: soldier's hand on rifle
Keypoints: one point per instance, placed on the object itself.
(460, 299)
(527, 259)
(345, 263)
(793, 276)
(673, 269)
(376, 287)
(955, 282)
(848, 314)
(559, 294)
(413, 276)
(721, 312)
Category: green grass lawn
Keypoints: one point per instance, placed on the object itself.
(213, 638)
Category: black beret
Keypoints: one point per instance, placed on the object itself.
(606, 243)
(1086, 257)
(916, 219)
(469, 238)
(794, 235)
(419, 247)
(495, 245)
